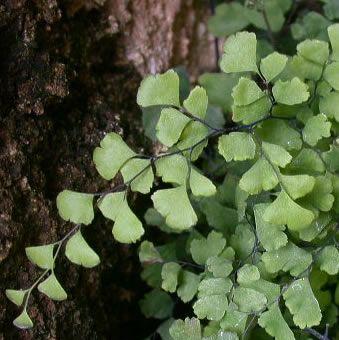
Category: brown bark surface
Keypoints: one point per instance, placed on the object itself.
(69, 74)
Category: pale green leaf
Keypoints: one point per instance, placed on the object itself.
(219, 266)
(196, 103)
(273, 65)
(111, 155)
(188, 286)
(170, 126)
(289, 258)
(16, 296)
(302, 304)
(279, 132)
(201, 185)
(321, 196)
(285, 211)
(316, 227)
(316, 51)
(233, 320)
(246, 92)
(228, 19)
(271, 236)
(247, 273)
(79, 252)
(307, 161)
(221, 335)
(240, 53)
(169, 274)
(331, 158)
(23, 321)
(329, 105)
(261, 176)
(274, 324)
(127, 227)
(333, 33)
(331, 75)
(214, 286)
(290, 92)
(156, 304)
(253, 112)
(328, 260)
(248, 300)
(42, 256)
(242, 241)
(211, 307)
(304, 69)
(159, 89)
(184, 330)
(219, 88)
(175, 206)
(75, 206)
(316, 128)
(297, 186)
(204, 248)
(148, 253)
(276, 154)
(52, 288)
(141, 174)
(237, 146)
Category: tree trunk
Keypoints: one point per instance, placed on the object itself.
(69, 74)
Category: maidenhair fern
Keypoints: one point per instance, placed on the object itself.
(256, 249)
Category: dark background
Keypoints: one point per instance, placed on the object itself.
(69, 72)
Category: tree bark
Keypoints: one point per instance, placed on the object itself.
(69, 74)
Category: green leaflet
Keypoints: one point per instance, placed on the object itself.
(331, 158)
(274, 324)
(175, 169)
(196, 103)
(156, 304)
(307, 161)
(240, 53)
(52, 288)
(285, 211)
(161, 89)
(333, 33)
(237, 146)
(280, 133)
(315, 51)
(248, 273)
(131, 170)
(276, 154)
(297, 186)
(127, 227)
(329, 105)
(271, 236)
(228, 19)
(169, 274)
(261, 176)
(23, 321)
(79, 252)
(328, 260)
(289, 258)
(273, 65)
(302, 304)
(42, 256)
(290, 92)
(233, 320)
(170, 126)
(315, 129)
(331, 75)
(111, 155)
(148, 253)
(16, 296)
(188, 329)
(204, 248)
(188, 285)
(75, 207)
(219, 266)
(242, 241)
(175, 206)
(249, 300)
(246, 92)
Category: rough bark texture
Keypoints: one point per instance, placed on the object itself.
(69, 74)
